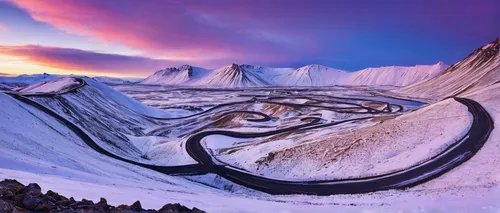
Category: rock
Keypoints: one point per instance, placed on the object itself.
(123, 207)
(7, 195)
(15, 197)
(10, 186)
(31, 202)
(102, 201)
(174, 208)
(196, 210)
(136, 206)
(103, 204)
(64, 203)
(7, 207)
(45, 207)
(33, 189)
(18, 199)
(53, 195)
(84, 204)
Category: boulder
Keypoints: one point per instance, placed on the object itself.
(136, 206)
(31, 202)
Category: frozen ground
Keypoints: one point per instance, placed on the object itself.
(40, 150)
(342, 152)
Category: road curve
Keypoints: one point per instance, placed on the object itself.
(450, 158)
(453, 156)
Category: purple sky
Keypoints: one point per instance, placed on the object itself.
(136, 37)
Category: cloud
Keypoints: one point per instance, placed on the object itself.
(80, 60)
(277, 32)
(163, 29)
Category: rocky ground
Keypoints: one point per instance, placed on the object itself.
(16, 197)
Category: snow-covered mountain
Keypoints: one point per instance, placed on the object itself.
(243, 75)
(478, 70)
(393, 75)
(239, 75)
(184, 74)
(311, 75)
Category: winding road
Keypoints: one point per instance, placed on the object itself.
(456, 154)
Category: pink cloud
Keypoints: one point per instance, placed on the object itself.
(159, 28)
(80, 60)
(277, 32)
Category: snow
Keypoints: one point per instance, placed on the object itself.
(392, 145)
(242, 75)
(312, 75)
(36, 148)
(394, 75)
(126, 101)
(185, 74)
(113, 81)
(61, 162)
(28, 79)
(239, 75)
(60, 85)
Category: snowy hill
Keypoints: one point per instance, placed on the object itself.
(243, 75)
(239, 75)
(478, 70)
(311, 75)
(112, 80)
(394, 75)
(28, 79)
(60, 85)
(176, 75)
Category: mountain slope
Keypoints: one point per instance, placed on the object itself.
(112, 80)
(311, 75)
(23, 80)
(394, 75)
(176, 75)
(239, 75)
(478, 70)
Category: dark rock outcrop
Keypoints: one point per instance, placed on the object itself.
(15, 197)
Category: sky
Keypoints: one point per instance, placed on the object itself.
(134, 38)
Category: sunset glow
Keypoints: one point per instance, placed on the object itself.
(95, 37)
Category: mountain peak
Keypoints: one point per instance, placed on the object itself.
(185, 67)
(175, 75)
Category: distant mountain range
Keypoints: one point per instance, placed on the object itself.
(243, 75)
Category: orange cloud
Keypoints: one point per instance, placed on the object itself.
(78, 61)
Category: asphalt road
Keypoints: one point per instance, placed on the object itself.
(450, 158)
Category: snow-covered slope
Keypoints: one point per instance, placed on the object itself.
(184, 74)
(478, 70)
(394, 75)
(311, 75)
(112, 80)
(239, 75)
(28, 79)
(57, 86)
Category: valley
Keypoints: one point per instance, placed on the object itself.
(243, 139)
